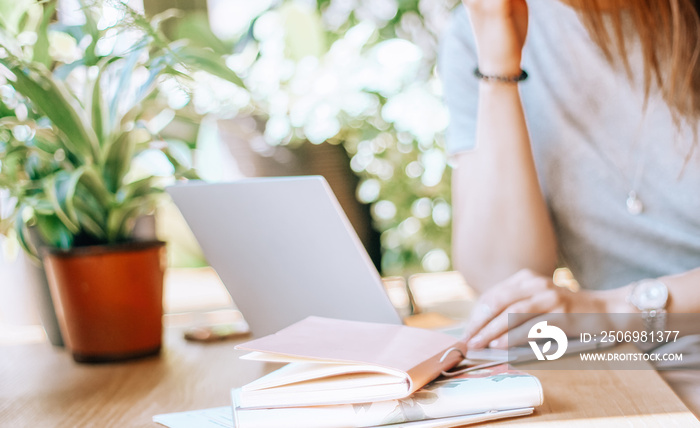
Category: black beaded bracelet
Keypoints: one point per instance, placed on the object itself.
(503, 79)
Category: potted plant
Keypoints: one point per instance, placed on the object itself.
(73, 161)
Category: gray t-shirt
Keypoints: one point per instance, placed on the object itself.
(593, 143)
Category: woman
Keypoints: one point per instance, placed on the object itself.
(591, 161)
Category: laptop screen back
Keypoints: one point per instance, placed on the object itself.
(285, 250)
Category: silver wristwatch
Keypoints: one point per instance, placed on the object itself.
(650, 297)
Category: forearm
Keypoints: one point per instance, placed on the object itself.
(501, 222)
(683, 294)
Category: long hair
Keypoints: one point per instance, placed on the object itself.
(669, 34)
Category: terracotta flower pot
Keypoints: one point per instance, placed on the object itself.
(109, 299)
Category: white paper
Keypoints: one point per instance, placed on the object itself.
(217, 417)
(222, 417)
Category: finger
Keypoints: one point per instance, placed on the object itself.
(517, 336)
(495, 328)
(481, 314)
(522, 285)
(501, 342)
(495, 299)
(540, 303)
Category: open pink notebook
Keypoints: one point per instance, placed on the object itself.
(336, 362)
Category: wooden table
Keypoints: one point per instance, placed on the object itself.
(41, 386)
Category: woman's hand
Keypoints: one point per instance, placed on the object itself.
(500, 27)
(530, 293)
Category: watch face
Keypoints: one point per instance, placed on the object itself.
(649, 295)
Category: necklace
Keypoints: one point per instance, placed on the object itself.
(633, 203)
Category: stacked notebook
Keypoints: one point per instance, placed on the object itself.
(359, 374)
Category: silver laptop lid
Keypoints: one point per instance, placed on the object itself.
(285, 250)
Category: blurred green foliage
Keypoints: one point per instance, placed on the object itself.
(362, 74)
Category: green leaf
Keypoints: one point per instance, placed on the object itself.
(54, 231)
(90, 28)
(91, 226)
(92, 216)
(118, 160)
(35, 82)
(195, 28)
(56, 192)
(137, 188)
(68, 189)
(23, 234)
(86, 203)
(41, 47)
(203, 59)
(95, 186)
(97, 108)
(47, 141)
(40, 205)
(123, 85)
(121, 220)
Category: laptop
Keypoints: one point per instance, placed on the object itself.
(285, 250)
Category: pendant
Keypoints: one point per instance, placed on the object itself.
(634, 205)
